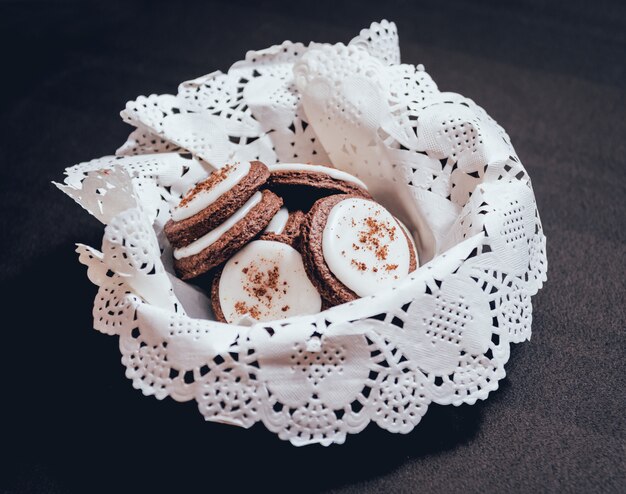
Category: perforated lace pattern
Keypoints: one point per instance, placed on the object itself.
(436, 159)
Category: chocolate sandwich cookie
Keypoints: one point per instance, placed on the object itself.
(265, 281)
(216, 246)
(213, 200)
(284, 227)
(301, 184)
(353, 247)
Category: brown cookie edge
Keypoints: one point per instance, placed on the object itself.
(316, 180)
(328, 285)
(215, 297)
(291, 232)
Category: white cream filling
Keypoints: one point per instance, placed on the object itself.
(331, 172)
(364, 246)
(205, 198)
(205, 241)
(278, 222)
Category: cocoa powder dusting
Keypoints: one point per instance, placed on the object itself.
(215, 178)
(262, 284)
(382, 253)
(374, 238)
(273, 277)
(242, 308)
(361, 266)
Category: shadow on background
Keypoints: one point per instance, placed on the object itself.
(78, 415)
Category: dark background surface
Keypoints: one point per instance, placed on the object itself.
(553, 75)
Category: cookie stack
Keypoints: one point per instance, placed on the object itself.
(286, 240)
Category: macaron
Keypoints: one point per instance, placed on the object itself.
(213, 200)
(353, 247)
(301, 184)
(264, 281)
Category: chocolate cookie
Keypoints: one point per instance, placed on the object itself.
(353, 247)
(265, 281)
(284, 227)
(213, 200)
(301, 185)
(217, 245)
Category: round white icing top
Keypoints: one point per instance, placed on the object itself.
(278, 222)
(210, 190)
(266, 280)
(331, 172)
(364, 246)
(206, 240)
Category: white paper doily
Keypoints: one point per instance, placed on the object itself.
(436, 160)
